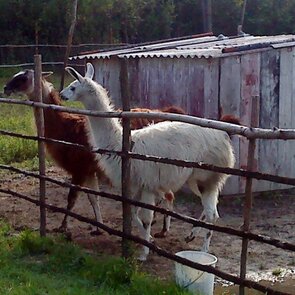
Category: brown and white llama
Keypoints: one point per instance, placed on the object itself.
(173, 140)
(80, 164)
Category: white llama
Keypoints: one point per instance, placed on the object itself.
(173, 140)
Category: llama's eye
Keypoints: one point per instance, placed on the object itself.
(72, 88)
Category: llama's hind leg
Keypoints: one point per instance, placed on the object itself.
(143, 219)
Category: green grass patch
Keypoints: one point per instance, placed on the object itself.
(19, 119)
(33, 265)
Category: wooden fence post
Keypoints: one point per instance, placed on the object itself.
(126, 146)
(41, 145)
(248, 191)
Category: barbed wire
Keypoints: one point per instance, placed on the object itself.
(195, 222)
(168, 161)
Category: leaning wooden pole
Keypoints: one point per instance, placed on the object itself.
(69, 42)
(126, 147)
(248, 192)
(41, 146)
(240, 26)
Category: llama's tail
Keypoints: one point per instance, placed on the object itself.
(173, 109)
(230, 119)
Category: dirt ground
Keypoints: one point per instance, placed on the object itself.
(272, 215)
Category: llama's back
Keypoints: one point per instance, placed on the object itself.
(180, 141)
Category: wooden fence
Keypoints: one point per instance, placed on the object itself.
(250, 133)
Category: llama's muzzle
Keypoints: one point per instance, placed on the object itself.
(7, 91)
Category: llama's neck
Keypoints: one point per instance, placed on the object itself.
(107, 132)
(52, 119)
(49, 95)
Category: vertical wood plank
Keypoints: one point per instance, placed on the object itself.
(286, 149)
(107, 73)
(269, 117)
(291, 143)
(229, 102)
(211, 70)
(195, 86)
(250, 86)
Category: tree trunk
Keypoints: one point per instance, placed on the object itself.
(207, 15)
(69, 43)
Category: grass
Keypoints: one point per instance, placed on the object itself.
(16, 118)
(31, 265)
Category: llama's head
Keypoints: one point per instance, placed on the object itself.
(23, 83)
(78, 90)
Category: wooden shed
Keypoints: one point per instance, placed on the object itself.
(206, 75)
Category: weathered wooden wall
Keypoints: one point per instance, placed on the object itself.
(206, 86)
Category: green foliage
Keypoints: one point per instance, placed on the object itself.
(132, 21)
(31, 265)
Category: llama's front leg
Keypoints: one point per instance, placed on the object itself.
(210, 213)
(94, 201)
(195, 230)
(169, 198)
(72, 197)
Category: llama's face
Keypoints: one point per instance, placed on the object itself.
(22, 82)
(73, 91)
(78, 90)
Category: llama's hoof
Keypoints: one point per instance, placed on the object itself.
(61, 229)
(96, 232)
(189, 238)
(160, 235)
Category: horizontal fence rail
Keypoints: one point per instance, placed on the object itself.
(232, 129)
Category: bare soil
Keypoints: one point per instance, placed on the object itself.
(273, 215)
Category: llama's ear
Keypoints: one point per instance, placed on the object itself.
(74, 74)
(89, 71)
(46, 74)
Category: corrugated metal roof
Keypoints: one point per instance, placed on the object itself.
(203, 46)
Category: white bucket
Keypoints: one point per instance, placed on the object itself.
(196, 281)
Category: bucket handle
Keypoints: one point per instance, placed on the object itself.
(193, 281)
